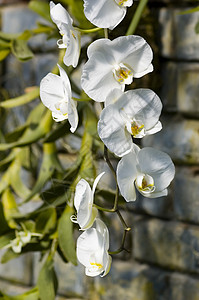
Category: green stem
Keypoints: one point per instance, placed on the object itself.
(106, 33)
(121, 248)
(79, 99)
(109, 163)
(122, 221)
(88, 30)
(21, 100)
(136, 17)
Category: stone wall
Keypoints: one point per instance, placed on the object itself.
(164, 259)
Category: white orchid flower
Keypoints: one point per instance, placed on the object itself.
(56, 95)
(83, 203)
(135, 114)
(70, 37)
(148, 169)
(92, 250)
(112, 64)
(106, 13)
(22, 238)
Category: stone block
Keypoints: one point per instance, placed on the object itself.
(17, 270)
(177, 36)
(17, 18)
(18, 77)
(179, 138)
(180, 88)
(133, 281)
(161, 207)
(169, 244)
(186, 191)
(11, 289)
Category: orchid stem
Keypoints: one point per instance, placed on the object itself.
(106, 33)
(81, 99)
(88, 30)
(136, 17)
(106, 158)
(121, 248)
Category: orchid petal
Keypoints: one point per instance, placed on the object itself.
(51, 90)
(111, 130)
(158, 165)
(98, 13)
(112, 64)
(59, 14)
(97, 179)
(126, 175)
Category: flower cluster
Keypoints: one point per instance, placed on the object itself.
(126, 116)
(93, 243)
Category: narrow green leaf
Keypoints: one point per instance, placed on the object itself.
(47, 280)
(197, 28)
(49, 164)
(189, 11)
(33, 294)
(21, 50)
(9, 207)
(65, 235)
(4, 44)
(33, 133)
(4, 162)
(3, 223)
(61, 130)
(4, 53)
(15, 180)
(8, 36)
(46, 221)
(6, 238)
(9, 255)
(41, 8)
(15, 134)
(21, 100)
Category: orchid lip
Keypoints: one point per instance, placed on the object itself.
(145, 183)
(121, 2)
(122, 74)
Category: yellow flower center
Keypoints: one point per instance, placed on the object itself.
(136, 128)
(120, 2)
(123, 74)
(99, 266)
(145, 183)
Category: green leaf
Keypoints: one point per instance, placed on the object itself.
(3, 223)
(197, 28)
(6, 238)
(41, 8)
(8, 36)
(33, 294)
(47, 283)
(61, 130)
(4, 53)
(4, 44)
(21, 100)
(190, 11)
(36, 130)
(49, 164)
(21, 50)
(15, 134)
(9, 207)
(15, 179)
(46, 221)
(8, 255)
(65, 235)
